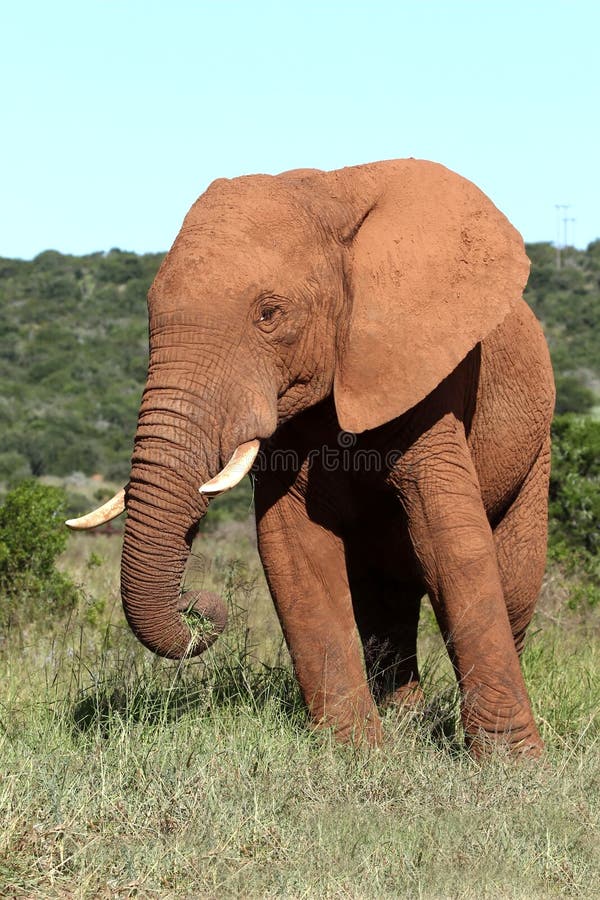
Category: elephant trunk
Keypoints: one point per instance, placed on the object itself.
(163, 509)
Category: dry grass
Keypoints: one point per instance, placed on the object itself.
(124, 775)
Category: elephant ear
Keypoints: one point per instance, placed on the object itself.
(432, 268)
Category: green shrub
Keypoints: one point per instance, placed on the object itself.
(575, 501)
(575, 482)
(32, 536)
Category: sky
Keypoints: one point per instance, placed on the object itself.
(117, 114)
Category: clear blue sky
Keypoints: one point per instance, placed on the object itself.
(116, 114)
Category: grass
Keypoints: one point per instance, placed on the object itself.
(125, 775)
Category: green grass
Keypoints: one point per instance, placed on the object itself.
(125, 775)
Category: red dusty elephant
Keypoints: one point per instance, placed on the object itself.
(366, 328)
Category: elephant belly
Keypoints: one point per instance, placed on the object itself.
(513, 410)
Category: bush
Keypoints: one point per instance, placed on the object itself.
(32, 536)
(575, 500)
(575, 482)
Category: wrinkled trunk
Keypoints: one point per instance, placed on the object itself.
(163, 510)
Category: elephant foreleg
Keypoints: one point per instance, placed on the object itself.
(454, 544)
(306, 570)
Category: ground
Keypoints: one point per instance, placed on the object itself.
(124, 775)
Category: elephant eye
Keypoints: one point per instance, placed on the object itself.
(268, 316)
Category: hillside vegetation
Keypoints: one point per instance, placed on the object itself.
(73, 356)
(567, 301)
(73, 352)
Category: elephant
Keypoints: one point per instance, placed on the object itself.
(360, 337)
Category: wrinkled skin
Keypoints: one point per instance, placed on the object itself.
(384, 300)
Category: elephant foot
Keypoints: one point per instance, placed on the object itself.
(482, 745)
(407, 697)
(363, 732)
(498, 718)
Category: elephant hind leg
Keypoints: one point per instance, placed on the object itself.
(387, 616)
(521, 541)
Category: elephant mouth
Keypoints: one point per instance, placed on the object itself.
(230, 475)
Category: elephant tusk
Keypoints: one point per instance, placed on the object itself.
(239, 465)
(105, 513)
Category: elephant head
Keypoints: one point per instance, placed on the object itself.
(370, 282)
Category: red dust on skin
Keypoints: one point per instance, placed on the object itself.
(385, 300)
